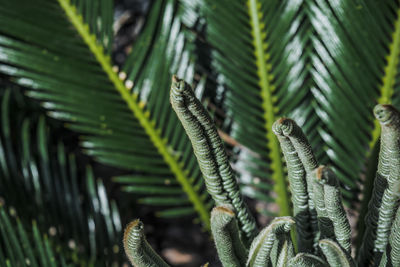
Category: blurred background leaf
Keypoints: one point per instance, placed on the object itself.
(125, 117)
(24, 246)
(43, 182)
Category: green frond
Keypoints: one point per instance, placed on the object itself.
(231, 250)
(284, 250)
(139, 252)
(98, 15)
(303, 205)
(334, 211)
(210, 153)
(246, 60)
(324, 223)
(340, 77)
(319, 62)
(306, 260)
(391, 70)
(385, 197)
(392, 251)
(335, 254)
(124, 117)
(261, 247)
(331, 239)
(36, 168)
(388, 86)
(21, 246)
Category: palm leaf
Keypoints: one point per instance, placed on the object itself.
(389, 79)
(388, 16)
(130, 128)
(72, 206)
(312, 61)
(258, 57)
(350, 78)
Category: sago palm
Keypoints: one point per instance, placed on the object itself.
(323, 233)
(323, 63)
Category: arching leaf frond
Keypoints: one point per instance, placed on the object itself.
(40, 180)
(320, 62)
(125, 117)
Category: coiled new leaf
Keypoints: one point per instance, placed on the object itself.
(334, 207)
(394, 241)
(210, 153)
(282, 251)
(318, 189)
(391, 256)
(299, 141)
(298, 188)
(139, 252)
(260, 250)
(334, 254)
(389, 119)
(306, 260)
(385, 196)
(324, 222)
(231, 250)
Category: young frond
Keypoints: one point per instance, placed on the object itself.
(329, 240)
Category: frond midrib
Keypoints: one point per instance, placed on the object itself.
(267, 88)
(139, 112)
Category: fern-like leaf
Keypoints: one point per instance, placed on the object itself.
(63, 58)
(41, 181)
(312, 61)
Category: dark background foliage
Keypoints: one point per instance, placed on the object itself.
(172, 241)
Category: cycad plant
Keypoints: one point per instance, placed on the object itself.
(324, 63)
(323, 234)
